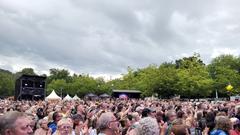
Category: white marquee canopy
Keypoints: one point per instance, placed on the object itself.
(53, 96)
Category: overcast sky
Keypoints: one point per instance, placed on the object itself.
(104, 37)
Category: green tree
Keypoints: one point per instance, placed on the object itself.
(25, 71)
(59, 85)
(194, 78)
(59, 74)
(7, 82)
(224, 70)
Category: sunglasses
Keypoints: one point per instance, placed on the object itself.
(66, 127)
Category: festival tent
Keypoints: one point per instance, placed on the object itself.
(104, 96)
(53, 96)
(90, 95)
(76, 97)
(67, 98)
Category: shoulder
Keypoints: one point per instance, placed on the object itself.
(217, 132)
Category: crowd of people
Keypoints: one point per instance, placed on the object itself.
(119, 117)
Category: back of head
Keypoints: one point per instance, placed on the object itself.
(180, 114)
(104, 120)
(223, 123)
(148, 126)
(145, 112)
(7, 120)
(179, 130)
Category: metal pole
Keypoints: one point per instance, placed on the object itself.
(61, 93)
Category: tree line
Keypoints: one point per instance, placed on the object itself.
(188, 77)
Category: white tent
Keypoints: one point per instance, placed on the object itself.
(68, 98)
(76, 97)
(53, 96)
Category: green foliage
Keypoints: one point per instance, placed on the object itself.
(188, 77)
(6, 83)
(194, 79)
(225, 70)
(58, 74)
(25, 71)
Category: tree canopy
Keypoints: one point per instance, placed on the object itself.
(189, 77)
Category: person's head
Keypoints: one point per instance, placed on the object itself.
(104, 106)
(223, 123)
(77, 119)
(179, 130)
(221, 114)
(139, 109)
(210, 117)
(64, 109)
(120, 107)
(65, 126)
(135, 117)
(44, 123)
(80, 108)
(15, 123)
(159, 116)
(199, 115)
(40, 113)
(148, 126)
(178, 121)
(56, 116)
(25, 107)
(125, 122)
(235, 123)
(1, 110)
(32, 121)
(171, 115)
(107, 121)
(181, 114)
(148, 112)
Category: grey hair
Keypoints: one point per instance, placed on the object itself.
(104, 120)
(170, 112)
(7, 121)
(148, 126)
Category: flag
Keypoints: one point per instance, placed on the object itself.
(229, 87)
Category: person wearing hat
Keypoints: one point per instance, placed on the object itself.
(148, 112)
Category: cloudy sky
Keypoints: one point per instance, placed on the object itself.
(104, 37)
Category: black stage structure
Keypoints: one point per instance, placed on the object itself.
(30, 87)
(129, 93)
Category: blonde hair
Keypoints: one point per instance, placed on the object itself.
(65, 121)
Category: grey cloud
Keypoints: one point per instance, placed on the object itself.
(107, 36)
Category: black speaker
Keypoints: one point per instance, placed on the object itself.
(28, 87)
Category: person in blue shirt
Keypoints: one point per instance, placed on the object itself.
(53, 125)
(222, 127)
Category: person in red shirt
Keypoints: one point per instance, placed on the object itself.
(236, 126)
